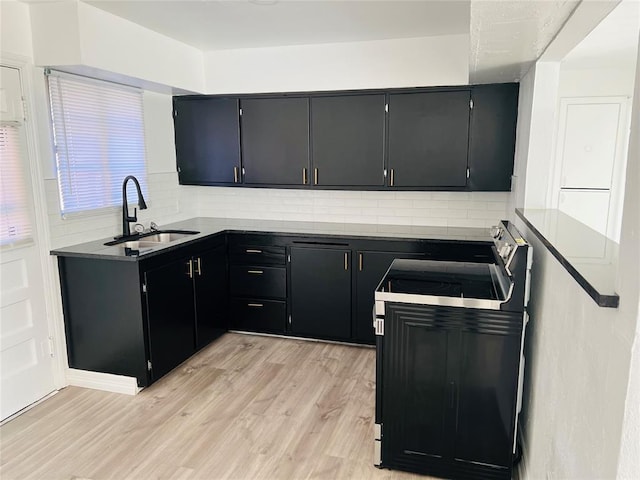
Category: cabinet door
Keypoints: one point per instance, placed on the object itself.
(170, 315)
(207, 134)
(275, 141)
(348, 140)
(428, 137)
(321, 292)
(487, 388)
(370, 269)
(211, 295)
(418, 397)
(492, 139)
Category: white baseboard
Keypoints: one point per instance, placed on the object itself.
(102, 381)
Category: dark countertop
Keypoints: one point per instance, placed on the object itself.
(589, 257)
(211, 226)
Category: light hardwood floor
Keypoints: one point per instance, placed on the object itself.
(246, 407)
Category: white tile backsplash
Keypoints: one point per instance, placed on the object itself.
(474, 209)
(167, 202)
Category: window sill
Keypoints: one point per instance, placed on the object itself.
(589, 257)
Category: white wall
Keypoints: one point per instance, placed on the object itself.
(166, 200)
(15, 34)
(396, 63)
(78, 37)
(440, 60)
(580, 414)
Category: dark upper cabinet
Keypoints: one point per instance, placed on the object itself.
(207, 136)
(492, 139)
(348, 140)
(428, 136)
(275, 141)
(321, 292)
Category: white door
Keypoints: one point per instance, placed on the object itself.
(591, 154)
(26, 363)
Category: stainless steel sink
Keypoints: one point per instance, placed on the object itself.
(151, 240)
(165, 237)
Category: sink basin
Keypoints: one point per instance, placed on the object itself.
(151, 239)
(165, 237)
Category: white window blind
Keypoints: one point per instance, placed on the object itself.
(14, 210)
(98, 132)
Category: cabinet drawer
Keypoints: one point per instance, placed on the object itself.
(261, 282)
(257, 255)
(258, 315)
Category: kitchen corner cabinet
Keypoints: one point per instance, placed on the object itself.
(207, 138)
(348, 140)
(428, 139)
(492, 136)
(448, 406)
(275, 141)
(143, 318)
(320, 292)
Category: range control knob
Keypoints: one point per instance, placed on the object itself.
(495, 232)
(505, 250)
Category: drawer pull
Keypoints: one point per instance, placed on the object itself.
(252, 250)
(255, 272)
(257, 305)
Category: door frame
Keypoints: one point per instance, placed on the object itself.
(34, 142)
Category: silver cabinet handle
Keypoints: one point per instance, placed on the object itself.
(235, 174)
(360, 262)
(391, 183)
(256, 272)
(346, 261)
(199, 266)
(250, 250)
(257, 305)
(304, 176)
(315, 176)
(189, 271)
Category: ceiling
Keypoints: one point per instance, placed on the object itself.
(506, 36)
(613, 43)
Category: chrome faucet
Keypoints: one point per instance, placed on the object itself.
(126, 231)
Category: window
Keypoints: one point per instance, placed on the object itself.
(98, 133)
(14, 210)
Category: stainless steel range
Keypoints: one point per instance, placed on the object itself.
(449, 361)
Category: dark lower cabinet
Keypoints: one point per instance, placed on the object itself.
(259, 315)
(171, 315)
(320, 293)
(211, 295)
(142, 318)
(449, 387)
(371, 268)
